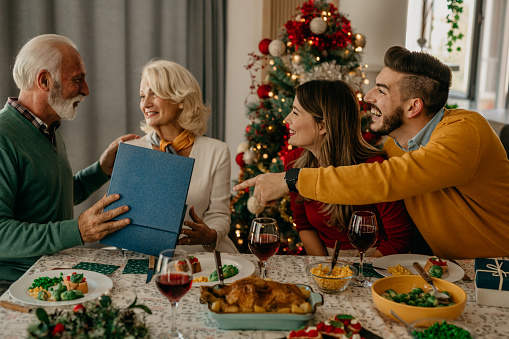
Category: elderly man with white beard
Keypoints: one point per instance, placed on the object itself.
(37, 187)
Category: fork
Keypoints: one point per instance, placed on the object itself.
(442, 297)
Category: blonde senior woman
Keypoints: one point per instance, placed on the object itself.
(175, 121)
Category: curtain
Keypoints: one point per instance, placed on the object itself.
(116, 38)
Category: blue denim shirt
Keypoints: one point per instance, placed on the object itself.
(422, 138)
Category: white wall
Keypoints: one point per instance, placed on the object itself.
(384, 25)
(382, 22)
(244, 35)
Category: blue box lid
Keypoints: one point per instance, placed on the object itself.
(492, 274)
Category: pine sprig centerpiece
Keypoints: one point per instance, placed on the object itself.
(94, 319)
(317, 43)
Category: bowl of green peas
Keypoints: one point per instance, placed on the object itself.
(440, 328)
(410, 297)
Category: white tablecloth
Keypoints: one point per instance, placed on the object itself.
(489, 322)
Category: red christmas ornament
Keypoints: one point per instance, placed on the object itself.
(240, 160)
(263, 91)
(368, 136)
(264, 46)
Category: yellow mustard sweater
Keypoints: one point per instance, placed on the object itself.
(456, 188)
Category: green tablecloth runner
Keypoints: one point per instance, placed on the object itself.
(95, 267)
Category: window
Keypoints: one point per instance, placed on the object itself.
(432, 27)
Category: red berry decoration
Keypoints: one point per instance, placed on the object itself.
(79, 307)
(59, 328)
(263, 91)
(264, 46)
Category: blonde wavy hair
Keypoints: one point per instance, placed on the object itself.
(169, 80)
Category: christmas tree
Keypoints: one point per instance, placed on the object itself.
(316, 43)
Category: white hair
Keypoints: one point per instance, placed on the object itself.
(171, 81)
(40, 53)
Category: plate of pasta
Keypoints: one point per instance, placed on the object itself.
(403, 263)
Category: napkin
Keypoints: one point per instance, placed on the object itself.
(95, 267)
(136, 266)
(369, 271)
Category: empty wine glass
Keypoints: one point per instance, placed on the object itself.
(174, 276)
(263, 240)
(362, 233)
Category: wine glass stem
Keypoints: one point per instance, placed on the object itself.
(174, 332)
(361, 266)
(263, 266)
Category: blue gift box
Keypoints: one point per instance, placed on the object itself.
(492, 282)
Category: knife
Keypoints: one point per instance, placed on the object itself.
(219, 267)
(367, 265)
(337, 247)
(15, 307)
(465, 275)
(151, 263)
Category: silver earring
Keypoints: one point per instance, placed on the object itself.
(181, 106)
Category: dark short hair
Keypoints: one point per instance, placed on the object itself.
(426, 77)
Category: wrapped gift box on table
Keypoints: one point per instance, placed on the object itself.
(492, 282)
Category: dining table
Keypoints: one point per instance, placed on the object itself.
(195, 322)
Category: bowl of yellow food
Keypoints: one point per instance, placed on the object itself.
(409, 297)
(337, 282)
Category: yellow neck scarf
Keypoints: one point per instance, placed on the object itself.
(183, 140)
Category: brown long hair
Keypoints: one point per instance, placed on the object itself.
(336, 105)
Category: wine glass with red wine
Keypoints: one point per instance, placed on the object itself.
(174, 276)
(362, 233)
(263, 240)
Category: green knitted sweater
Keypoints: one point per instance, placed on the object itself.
(37, 194)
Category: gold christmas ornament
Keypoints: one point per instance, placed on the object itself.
(277, 48)
(318, 25)
(359, 40)
(253, 206)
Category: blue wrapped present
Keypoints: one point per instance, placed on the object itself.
(492, 282)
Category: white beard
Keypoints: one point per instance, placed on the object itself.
(64, 107)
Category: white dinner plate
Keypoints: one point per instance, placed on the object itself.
(208, 265)
(454, 272)
(98, 284)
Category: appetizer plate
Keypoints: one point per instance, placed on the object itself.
(208, 265)
(98, 284)
(454, 272)
(267, 321)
